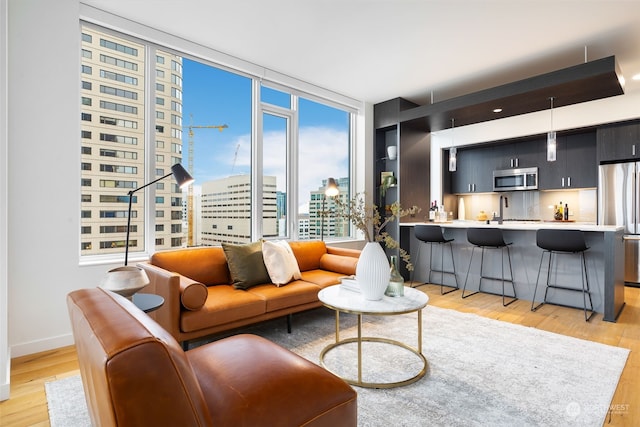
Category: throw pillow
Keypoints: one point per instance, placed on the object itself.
(280, 262)
(246, 264)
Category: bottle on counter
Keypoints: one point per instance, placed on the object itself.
(432, 211)
(442, 214)
(461, 212)
(396, 281)
(566, 212)
(558, 215)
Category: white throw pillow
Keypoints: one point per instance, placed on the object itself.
(280, 261)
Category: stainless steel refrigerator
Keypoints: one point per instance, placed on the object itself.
(619, 204)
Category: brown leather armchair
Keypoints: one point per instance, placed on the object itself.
(136, 374)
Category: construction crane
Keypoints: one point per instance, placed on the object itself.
(235, 158)
(191, 127)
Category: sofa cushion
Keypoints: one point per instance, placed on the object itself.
(246, 264)
(206, 265)
(308, 253)
(322, 278)
(295, 293)
(224, 305)
(281, 264)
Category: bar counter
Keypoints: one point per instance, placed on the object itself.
(604, 259)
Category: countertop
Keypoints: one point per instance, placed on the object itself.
(520, 225)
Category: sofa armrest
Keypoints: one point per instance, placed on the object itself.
(333, 250)
(339, 264)
(249, 381)
(167, 284)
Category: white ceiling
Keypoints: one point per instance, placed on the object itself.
(374, 50)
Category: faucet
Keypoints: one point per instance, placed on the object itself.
(500, 217)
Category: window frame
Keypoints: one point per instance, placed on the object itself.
(158, 40)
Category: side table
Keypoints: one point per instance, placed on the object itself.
(147, 302)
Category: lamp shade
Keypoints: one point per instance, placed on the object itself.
(331, 189)
(181, 176)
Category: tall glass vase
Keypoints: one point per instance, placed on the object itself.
(372, 271)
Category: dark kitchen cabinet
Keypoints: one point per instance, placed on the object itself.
(521, 154)
(474, 171)
(576, 165)
(618, 142)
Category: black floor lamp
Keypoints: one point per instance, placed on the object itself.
(183, 179)
(127, 280)
(331, 190)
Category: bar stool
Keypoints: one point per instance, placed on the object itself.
(563, 242)
(433, 234)
(489, 238)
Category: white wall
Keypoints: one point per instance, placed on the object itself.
(5, 354)
(43, 173)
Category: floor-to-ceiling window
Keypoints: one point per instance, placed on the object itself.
(260, 156)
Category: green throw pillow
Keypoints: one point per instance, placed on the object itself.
(246, 264)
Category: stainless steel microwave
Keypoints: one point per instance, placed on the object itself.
(515, 179)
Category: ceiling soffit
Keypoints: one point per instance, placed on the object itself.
(580, 83)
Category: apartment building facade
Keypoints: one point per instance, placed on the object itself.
(118, 133)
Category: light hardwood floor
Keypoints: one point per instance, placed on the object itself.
(28, 405)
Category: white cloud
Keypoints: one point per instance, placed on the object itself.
(323, 153)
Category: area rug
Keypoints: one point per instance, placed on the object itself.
(480, 371)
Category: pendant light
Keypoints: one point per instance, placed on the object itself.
(551, 138)
(453, 151)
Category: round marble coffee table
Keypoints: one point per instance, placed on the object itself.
(347, 301)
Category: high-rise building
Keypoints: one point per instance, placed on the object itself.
(323, 222)
(225, 210)
(119, 133)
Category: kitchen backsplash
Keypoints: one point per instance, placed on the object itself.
(528, 205)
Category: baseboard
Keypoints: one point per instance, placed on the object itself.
(38, 346)
(4, 391)
(5, 363)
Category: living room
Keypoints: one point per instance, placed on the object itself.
(39, 197)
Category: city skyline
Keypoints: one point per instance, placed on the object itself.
(214, 97)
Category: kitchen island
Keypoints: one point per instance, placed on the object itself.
(604, 259)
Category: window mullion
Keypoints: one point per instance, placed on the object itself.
(292, 172)
(256, 161)
(149, 149)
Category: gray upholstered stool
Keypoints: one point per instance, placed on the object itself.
(563, 242)
(433, 234)
(484, 239)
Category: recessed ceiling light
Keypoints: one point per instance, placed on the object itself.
(636, 77)
(497, 110)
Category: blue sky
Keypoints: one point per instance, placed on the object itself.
(215, 97)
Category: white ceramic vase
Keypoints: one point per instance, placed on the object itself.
(392, 152)
(372, 271)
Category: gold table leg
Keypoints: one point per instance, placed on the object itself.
(359, 339)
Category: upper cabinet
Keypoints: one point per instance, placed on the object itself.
(520, 154)
(575, 166)
(474, 170)
(619, 142)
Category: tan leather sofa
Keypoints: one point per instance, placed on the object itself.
(134, 373)
(200, 300)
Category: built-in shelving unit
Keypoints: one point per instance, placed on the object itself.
(410, 168)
